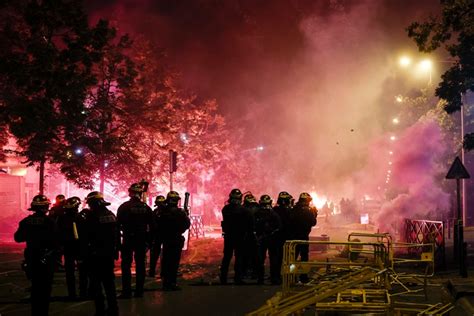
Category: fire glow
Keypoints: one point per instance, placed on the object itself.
(318, 200)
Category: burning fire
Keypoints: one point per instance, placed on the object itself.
(318, 200)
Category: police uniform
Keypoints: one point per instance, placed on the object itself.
(86, 288)
(157, 242)
(38, 231)
(173, 223)
(135, 222)
(55, 212)
(267, 229)
(70, 224)
(250, 260)
(102, 240)
(283, 209)
(236, 224)
(303, 218)
(57, 209)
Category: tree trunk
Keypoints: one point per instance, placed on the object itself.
(102, 176)
(41, 177)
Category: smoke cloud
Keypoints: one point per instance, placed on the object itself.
(414, 169)
(306, 79)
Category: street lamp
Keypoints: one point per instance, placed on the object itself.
(426, 65)
(404, 61)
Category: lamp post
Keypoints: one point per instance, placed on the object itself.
(427, 65)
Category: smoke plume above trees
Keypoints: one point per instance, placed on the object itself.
(306, 79)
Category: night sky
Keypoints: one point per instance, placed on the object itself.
(312, 81)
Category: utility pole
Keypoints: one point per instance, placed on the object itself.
(459, 172)
(173, 166)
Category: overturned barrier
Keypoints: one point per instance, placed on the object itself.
(355, 275)
(316, 294)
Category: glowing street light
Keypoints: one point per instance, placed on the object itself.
(78, 151)
(392, 138)
(390, 153)
(184, 138)
(404, 61)
(259, 148)
(399, 98)
(426, 65)
(395, 120)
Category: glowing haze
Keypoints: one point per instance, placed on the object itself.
(309, 80)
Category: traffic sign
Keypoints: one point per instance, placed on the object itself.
(457, 170)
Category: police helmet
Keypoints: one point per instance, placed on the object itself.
(235, 196)
(60, 199)
(136, 189)
(265, 200)
(72, 202)
(249, 199)
(173, 198)
(160, 200)
(39, 203)
(284, 198)
(305, 198)
(96, 198)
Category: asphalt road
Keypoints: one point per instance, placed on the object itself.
(197, 297)
(201, 294)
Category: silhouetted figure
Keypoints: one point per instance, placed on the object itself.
(173, 223)
(135, 219)
(302, 219)
(236, 224)
(283, 209)
(101, 242)
(155, 249)
(267, 229)
(250, 260)
(70, 224)
(38, 231)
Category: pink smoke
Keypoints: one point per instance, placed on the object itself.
(415, 163)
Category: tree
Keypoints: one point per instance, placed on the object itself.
(454, 31)
(47, 53)
(165, 117)
(104, 144)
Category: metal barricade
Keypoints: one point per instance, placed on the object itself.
(197, 228)
(341, 256)
(415, 256)
(355, 276)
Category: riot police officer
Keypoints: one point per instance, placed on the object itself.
(69, 225)
(173, 223)
(303, 218)
(86, 288)
(283, 209)
(101, 241)
(56, 211)
(236, 225)
(155, 249)
(135, 222)
(250, 261)
(58, 207)
(38, 231)
(267, 228)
